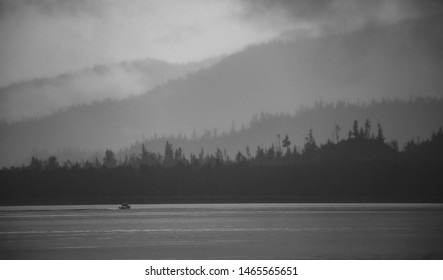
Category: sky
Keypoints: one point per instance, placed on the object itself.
(44, 38)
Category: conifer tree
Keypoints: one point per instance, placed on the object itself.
(355, 131)
(52, 163)
(367, 132)
(337, 129)
(109, 160)
(310, 144)
(380, 137)
(248, 153)
(240, 158)
(168, 159)
(287, 145)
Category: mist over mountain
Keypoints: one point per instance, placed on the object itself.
(413, 119)
(41, 97)
(378, 61)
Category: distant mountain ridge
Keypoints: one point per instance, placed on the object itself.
(44, 96)
(400, 60)
(414, 119)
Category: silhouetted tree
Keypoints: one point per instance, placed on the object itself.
(52, 163)
(367, 132)
(337, 129)
(35, 164)
(287, 145)
(437, 135)
(355, 131)
(259, 154)
(374, 165)
(411, 146)
(219, 157)
(394, 145)
(248, 153)
(240, 158)
(179, 157)
(278, 152)
(67, 165)
(310, 144)
(270, 153)
(109, 160)
(201, 156)
(168, 159)
(144, 155)
(194, 161)
(380, 137)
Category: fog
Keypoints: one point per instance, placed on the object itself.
(41, 97)
(356, 51)
(50, 37)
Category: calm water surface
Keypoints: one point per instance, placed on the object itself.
(223, 231)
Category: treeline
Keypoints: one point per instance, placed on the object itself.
(402, 120)
(361, 144)
(361, 167)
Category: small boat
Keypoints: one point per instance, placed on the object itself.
(124, 206)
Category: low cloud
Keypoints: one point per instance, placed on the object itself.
(46, 38)
(41, 97)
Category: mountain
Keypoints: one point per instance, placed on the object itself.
(40, 97)
(393, 61)
(400, 120)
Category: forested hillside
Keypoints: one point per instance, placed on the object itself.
(45, 96)
(403, 120)
(363, 167)
(400, 60)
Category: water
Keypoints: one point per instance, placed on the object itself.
(223, 231)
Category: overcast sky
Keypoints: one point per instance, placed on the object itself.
(41, 38)
(46, 37)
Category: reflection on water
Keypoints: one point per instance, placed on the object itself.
(235, 231)
(234, 206)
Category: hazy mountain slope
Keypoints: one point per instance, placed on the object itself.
(40, 97)
(379, 61)
(396, 61)
(415, 118)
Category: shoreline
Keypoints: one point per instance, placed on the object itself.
(214, 200)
